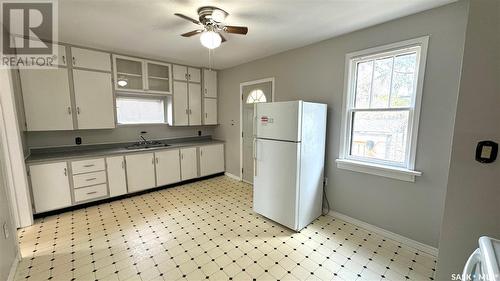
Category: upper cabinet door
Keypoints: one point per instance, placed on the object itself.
(209, 83)
(194, 104)
(180, 104)
(159, 77)
(94, 99)
(84, 58)
(46, 96)
(194, 75)
(129, 73)
(180, 72)
(210, 109)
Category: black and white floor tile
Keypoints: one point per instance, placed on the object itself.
(206, 230)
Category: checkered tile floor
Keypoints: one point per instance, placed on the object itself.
(206, 230)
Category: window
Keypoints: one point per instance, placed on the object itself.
(138, 110)
(256, 96)
(381, 110)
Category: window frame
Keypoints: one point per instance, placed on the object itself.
(164, 98)
(403, 171)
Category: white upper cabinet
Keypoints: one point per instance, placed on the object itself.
(94, 99)
(189, 163)
(210, 111)
(140, 171)
(137, 75)
(50, 186)
(47, 102)
(194, 75)
(209, 83)
(211, 159)
(89, 59)
(194, 104)
(180, 72)
(168, 167)
(180, 104)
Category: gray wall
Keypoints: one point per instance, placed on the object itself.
(316, 73)
(473, 195)
(121, 134)
(8, 247)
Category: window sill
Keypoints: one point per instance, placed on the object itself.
(378, 170)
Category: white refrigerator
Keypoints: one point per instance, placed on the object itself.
(289, 154)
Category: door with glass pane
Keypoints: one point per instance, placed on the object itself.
(251, 94)
(129, 73)
(158, 75)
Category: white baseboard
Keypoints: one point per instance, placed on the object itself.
(232, 176)
(405, 240)
(13, 268)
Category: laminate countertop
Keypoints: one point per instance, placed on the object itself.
(87, 151)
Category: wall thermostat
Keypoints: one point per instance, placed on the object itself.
(486, 151)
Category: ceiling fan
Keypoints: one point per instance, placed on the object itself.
(211, 21)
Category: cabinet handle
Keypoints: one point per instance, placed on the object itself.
(92, 192)
(186, 76)
(88, 165)
(189, 75)
(123, 164)
(205, 91)
(69, 110)
(187, 111)
(182, 156)
(91, 179)
(190, 111)
(206, 114)
(156, 160)
(153, 161)
(201, 152)
(74, 60)
(64, 59)
(78, 110)
(65, 171)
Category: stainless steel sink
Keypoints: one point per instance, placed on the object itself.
(146, 145)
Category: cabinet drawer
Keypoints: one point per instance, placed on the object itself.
(90, 192)
(89, 179)
(87, 166)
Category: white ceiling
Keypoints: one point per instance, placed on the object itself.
(149, 28)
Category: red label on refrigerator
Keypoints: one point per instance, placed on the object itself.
(264, 119)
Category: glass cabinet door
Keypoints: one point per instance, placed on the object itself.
(129, 74)
(158, 77)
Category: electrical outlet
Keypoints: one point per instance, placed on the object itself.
(6, 233)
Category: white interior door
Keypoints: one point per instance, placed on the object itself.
(94, 99)
(46, 98)
(168, 167)
(180, 104)
(194, 104)
(275, 182)
(252, 94)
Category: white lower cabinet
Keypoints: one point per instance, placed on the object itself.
(140, 171)
(189, 163)
(211, 159)
(117, 180)
(168, 167)
(50, 186)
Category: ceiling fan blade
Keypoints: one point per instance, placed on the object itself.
(191, 33)
(187, 18)
(236, 29)
(223, 38)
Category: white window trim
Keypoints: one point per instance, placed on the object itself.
(407, 171)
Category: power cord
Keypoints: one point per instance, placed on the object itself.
(325, 200)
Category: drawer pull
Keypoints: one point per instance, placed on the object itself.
(92, 192)
(89, 165)
(91, 179)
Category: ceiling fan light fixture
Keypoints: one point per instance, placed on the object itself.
(210, 39)
(218, 15)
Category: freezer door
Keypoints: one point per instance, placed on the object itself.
(276, 181)
(279, 120)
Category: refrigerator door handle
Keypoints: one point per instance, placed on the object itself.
(254, 157)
